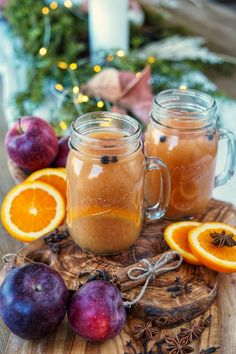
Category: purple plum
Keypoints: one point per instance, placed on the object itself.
(96, 311)
(31, 143)
(63, 151)
(33, 300)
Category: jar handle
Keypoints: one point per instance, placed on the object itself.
(230, 162)
(156, 211)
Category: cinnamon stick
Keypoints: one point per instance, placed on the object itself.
(125, 283)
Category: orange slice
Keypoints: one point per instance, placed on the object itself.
(221, 259)
(189, 190)
(56, 177)
(32, 209)
(180, 202)
(176, 236)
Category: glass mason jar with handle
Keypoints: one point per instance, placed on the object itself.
(105, 183)
(183, 133)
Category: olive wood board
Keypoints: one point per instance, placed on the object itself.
(176, 310)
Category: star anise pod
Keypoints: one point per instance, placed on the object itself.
(222, 239)
(177, 345)
(146, 330)
(191, 332)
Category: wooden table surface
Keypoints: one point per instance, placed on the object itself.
(214, 33)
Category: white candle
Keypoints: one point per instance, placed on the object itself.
(108, 25)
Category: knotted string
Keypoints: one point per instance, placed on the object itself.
(150, 271)
(10, 257)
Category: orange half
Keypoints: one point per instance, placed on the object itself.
(56, 177)
(32, 209)
(221, 259)
(176, 236)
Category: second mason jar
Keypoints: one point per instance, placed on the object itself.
(105, 183)
(183, 133)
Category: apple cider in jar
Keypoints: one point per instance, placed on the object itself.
(105, 182)
(183, 134)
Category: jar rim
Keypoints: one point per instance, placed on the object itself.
(196, 106)
(104, 120)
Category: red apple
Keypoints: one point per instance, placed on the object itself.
(33, 300)
(96, 311)
(63, 151)
(31, 143)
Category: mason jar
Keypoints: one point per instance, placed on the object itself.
(183, 133)
(105, 183)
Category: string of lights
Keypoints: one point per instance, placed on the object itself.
(59, 61)
(73, 92)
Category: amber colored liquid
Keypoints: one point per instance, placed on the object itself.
(105, 200)
(191, 159)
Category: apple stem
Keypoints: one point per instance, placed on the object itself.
(20, 126)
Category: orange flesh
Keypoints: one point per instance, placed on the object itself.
(224, 253)
(27, 204)
(180, 236)
(58, 182)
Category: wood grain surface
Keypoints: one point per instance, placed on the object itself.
(157, 303)
(64, 341)
(209, 26)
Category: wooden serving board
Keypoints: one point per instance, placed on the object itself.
(158, 304)
(177, 310)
